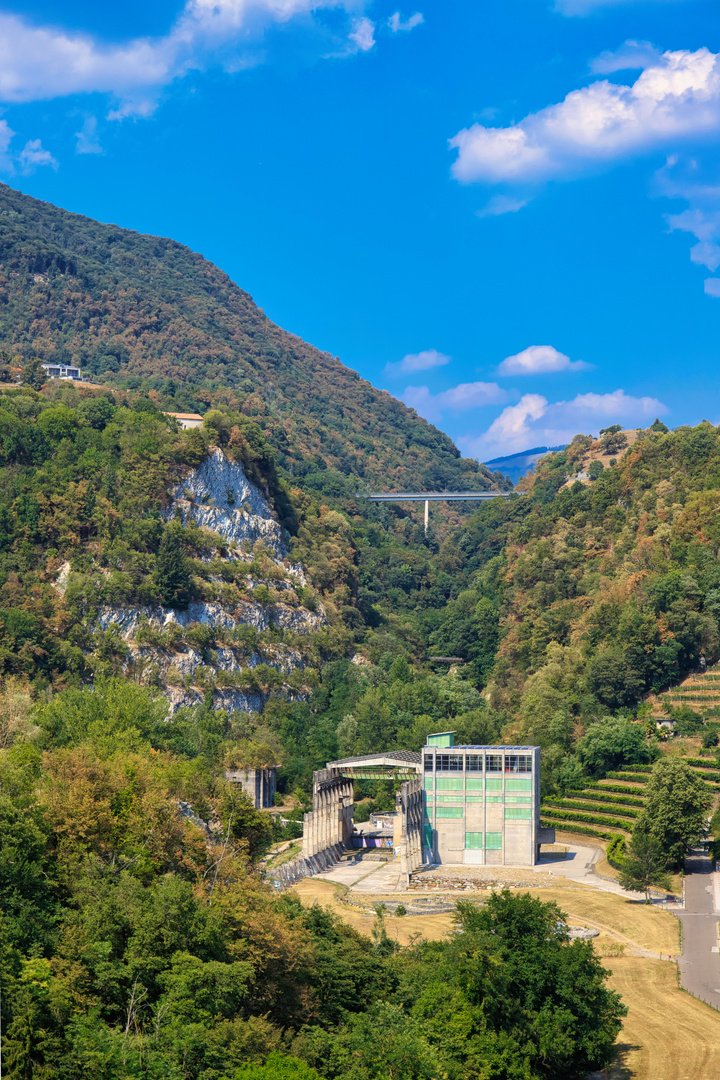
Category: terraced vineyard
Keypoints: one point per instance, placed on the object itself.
(701, 692)
(608, 808)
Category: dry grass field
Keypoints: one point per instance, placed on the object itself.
(667, 1034)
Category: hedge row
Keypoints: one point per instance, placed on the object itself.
(568, 804)
(599, 796)
(579, 829)
(706, 698)
(703, 764)
(589, 819)
(615, 852)
(634, 769)
(635, 778)
(620, 790)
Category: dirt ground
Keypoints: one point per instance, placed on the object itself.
(667, 1034)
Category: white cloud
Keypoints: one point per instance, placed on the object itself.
(422, 361)
(633, 54)
(501, 204)
(538, 359)
(87, 142)
(42, 62)
(679, 179)
(534, 421)
(712, 286)
(33, 155)
(363, 34)
(397, 25)
(676, 97)
(456, 399)
(706, 254)
(586, 7)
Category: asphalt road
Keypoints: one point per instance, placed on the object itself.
(699, 965)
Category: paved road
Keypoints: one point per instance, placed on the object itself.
(578, 865)
(699, 965)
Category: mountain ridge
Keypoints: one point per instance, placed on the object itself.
(146, 313)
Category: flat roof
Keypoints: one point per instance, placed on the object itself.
(476, 747)
(185, 415)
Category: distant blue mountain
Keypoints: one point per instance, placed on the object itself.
(517, 465)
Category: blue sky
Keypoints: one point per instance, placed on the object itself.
(508, 215)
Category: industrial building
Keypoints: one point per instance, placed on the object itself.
(481, 804)
(457, 805)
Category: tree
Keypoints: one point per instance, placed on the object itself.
(643, 864)
(676, 808)
(33, 374)
(610, 743)
(595, 468)
(612, 680)
(172, 571)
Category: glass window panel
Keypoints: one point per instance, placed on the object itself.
(511, 784)
(493, 841)
(428, 783)
(493, 763)
(517, 798)
(456, 762)
(493, 785)
(449, 812)
(427, 835)
(473, 840)
(450, 798)
(473, 798)
(493, 798)
(518, 763)
(428, 762)
(524, 812)
(442, 762)
(473, 784)
(473, 763)
(449, 783)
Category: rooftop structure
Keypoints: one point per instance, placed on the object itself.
(62, 371)
(187, 419)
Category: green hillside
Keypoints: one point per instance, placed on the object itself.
(146, 313)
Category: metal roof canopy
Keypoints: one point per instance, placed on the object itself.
(405, 761)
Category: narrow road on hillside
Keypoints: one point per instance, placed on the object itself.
(699, 964)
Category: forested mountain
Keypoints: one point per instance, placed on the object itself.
(143, 312)
(175, 602)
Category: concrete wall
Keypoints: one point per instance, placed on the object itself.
(259, 784)
(328, 829)
(408, 825)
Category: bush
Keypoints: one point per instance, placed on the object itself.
(616, 852)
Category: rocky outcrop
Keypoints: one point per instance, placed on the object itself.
(216, 616)
(218, 496)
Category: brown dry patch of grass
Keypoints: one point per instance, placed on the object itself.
(667, 1034)
(401, 929)
(625, 920)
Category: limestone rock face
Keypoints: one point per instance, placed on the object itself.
(218, 496)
